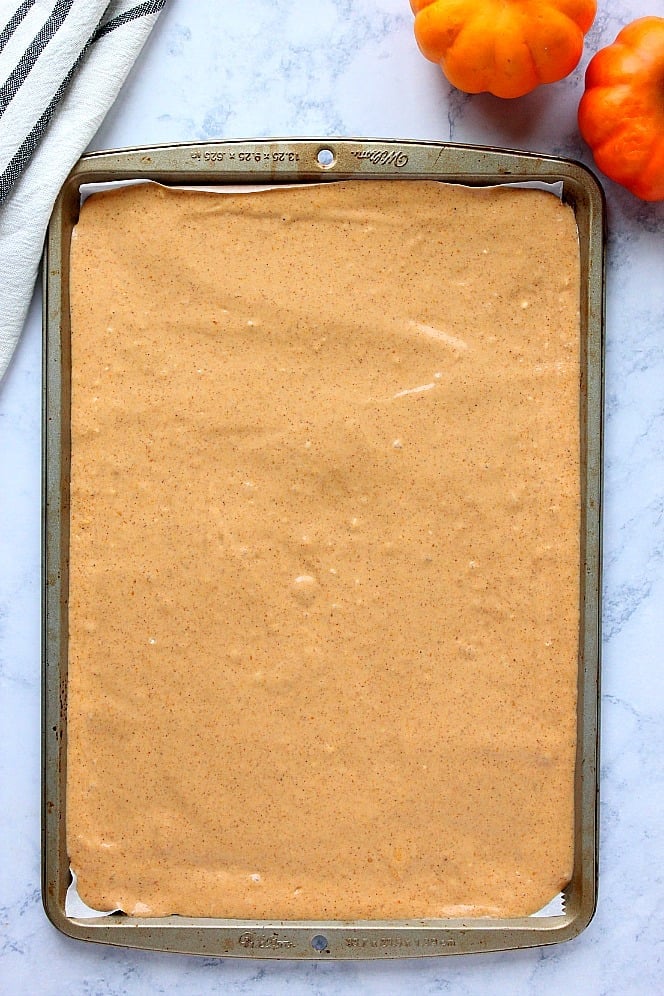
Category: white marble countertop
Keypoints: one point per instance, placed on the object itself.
(351, 68)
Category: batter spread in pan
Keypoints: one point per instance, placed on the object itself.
(324, 572)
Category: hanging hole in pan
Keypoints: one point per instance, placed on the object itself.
(325, 158)
(319, 943)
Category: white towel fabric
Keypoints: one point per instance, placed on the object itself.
(62, 63)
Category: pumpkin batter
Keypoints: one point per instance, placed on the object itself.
(324, 574)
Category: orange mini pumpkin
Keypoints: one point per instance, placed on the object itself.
(507, 47)
(621, 114)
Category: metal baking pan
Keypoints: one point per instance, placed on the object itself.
(315, 161)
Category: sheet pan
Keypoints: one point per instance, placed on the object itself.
(312, 161)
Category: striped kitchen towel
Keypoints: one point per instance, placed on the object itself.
(62, 63)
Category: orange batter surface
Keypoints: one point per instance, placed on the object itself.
(324, 575)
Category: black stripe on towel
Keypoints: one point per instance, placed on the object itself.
(20, 73)
(21, 158)
(149, 7)
(11, 25)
